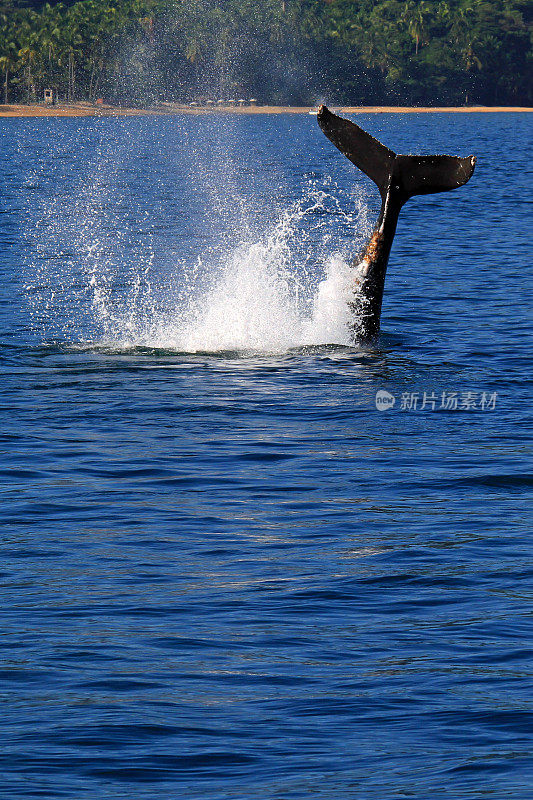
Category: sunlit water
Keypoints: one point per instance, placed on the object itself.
(225, 573)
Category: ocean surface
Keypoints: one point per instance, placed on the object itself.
(226, 574)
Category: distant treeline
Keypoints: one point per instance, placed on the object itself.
(279, 51)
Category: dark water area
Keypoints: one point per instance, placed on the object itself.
(225, 573)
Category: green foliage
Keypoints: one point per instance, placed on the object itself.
(281, 51)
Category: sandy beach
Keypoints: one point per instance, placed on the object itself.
(91, 110)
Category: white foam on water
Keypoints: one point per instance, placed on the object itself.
(271, 292)
(263, 297)
(254, 306)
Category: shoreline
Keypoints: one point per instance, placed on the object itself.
(91, 110)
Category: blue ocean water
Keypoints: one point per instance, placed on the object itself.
(225, 573)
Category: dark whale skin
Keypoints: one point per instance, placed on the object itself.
(398, 178)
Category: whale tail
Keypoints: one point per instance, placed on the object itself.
(408, 175)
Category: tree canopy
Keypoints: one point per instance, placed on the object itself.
(431, 52)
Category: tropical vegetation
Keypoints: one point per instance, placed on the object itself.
(278, 51)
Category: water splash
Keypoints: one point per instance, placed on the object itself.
(269, 295)
(286, 287)
(255, 306)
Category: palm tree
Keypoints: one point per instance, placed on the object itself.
(28, 57)
(8, 51)
(465, 34)
(7, 65)
(414, 14)
(71, 41)
(49, 41)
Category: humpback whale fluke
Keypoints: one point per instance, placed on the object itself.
(398, 178)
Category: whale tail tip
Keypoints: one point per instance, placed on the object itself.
(408, 175)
